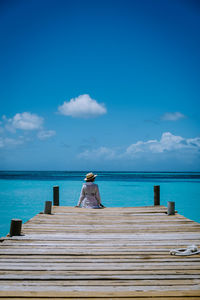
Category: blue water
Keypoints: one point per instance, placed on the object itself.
(22, 194)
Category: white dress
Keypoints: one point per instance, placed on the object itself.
(90, 197)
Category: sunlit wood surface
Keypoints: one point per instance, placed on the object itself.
(111, 253)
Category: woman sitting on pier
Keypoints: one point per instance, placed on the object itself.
(90, 196)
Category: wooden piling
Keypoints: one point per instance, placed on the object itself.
(56, 195)
(47, 207)
(170, 208)
(156, 195)
(15, 227)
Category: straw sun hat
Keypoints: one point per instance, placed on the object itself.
(90, 176)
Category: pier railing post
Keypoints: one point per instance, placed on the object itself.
(156, 195)
(15, 227)
(170, 208)
(56, 195)
(47, 207)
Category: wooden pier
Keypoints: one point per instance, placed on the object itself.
(111, 253)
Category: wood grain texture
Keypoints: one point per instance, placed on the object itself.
(112, 253)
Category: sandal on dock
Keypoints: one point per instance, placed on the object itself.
(190, 250)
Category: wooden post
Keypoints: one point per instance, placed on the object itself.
(47, 208)
(15, 227)
(56, 195)
(156, 195)
(170, 208)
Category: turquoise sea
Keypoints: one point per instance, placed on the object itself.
(22, 194)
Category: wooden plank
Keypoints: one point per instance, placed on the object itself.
(121, 265)
(96, 243)
(105, 260)
(100, 274)
(54, 276)
(131, 290)
(103, 282)
(107, 292)
(97, 298)
(117, 236)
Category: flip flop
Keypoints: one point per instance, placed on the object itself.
(190, 250)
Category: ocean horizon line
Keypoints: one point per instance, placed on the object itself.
(101, 171)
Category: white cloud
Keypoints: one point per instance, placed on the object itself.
(26, 121)
(23, 121)
(167, 143)
(101, 152)
(172, 116)
(4, 142)
(82, 106)
(45, 134)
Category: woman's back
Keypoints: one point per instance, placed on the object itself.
(90, 187)
(90, 197)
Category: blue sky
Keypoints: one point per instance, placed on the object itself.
(100, 85)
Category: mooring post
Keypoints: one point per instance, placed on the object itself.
(56, 195)
(15, 227)
(47, 207)
(156, 195)
(170, 208)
